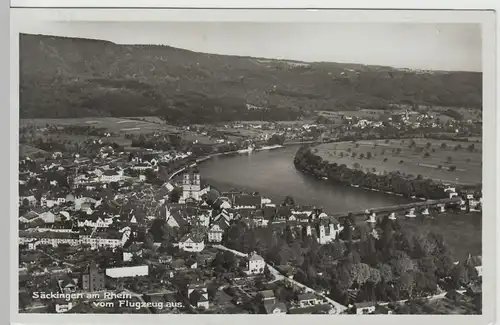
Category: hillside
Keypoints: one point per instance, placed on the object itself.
(70, 77)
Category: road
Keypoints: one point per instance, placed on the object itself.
(339, 308)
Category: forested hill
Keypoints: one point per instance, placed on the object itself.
(71, 77)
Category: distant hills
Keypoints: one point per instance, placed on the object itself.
(73, 77)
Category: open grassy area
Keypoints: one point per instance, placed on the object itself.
(135, 125)
(429, 158)
(26, 150)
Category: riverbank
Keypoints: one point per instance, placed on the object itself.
(219, 154)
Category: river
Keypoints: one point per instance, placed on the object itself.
(272, 173)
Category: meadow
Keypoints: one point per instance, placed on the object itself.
(442, 160)
(135, 125)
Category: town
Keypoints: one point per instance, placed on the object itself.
(107, 226)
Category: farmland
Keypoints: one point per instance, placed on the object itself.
(135, 125)
(444, 161)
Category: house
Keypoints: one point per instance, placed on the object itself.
(363, 308)
(191, 263)
(198, 296)
(266, 296)
(68, 285)
(308, 299)
(325, 230)
(174, 218)
(130, 252)
(256, 264)
(29, 200)
(275, 308)
(221, 203)
(48, 217)
(192, 242)
(216, 230)
(165, 259)
(245, 201)
(111, 176)
(63, 306)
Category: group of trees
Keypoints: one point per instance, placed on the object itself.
(167, 142)
(397, 264)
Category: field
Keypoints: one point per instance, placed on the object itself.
(428, 157)
(135, 125)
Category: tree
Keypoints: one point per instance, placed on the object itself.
(267, 273)
(289, 201)
(212, 196)
(459, 276)
(360, 272)
(449, 159)
(405, 283)
(452, 168)
(401, 263)
(148, 240)
(175, 195)
(369, 155)
(361, 156)
(443, 145)
(385, 271)
(427, 155)
(375, 276)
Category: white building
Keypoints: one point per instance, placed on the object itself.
(98, 223)
(128, 271)
(192, 243)
(256, 264)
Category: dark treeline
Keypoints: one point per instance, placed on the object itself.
(394, 182)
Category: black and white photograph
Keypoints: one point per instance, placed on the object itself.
(250, 168)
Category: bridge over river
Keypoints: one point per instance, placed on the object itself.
(406, 208)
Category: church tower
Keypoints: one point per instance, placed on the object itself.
(191, 186)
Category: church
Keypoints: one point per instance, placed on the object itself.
(191, 187)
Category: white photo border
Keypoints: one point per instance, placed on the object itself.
(487, 19)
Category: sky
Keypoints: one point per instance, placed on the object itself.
(428, 46)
